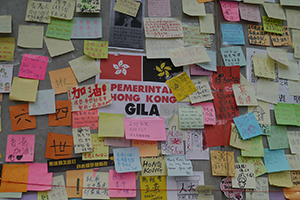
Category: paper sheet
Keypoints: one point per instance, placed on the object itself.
(191, 117)
(60, 28)
(111, 125)
(127, 159)
(59, 146)
(249, 12)
(274, 10)
(57, 47)
(194, 148)
(222, 163)
(261, 112)
(62, 79)
(82, 140)
(175, 27)
(37, 11)
(100, 151)
(124, 183)
(296, 37)
(154, 166)
(44, 103)
(98, 179)
(278, 138)
(233, 56)
(174, 143)
(219, 134)
(20, 148)
(207, 24)
(5, 24)
(257, 148)
(42, 195)
(146, 148)
(58, 190)
(209, 116)
(282, 39)
(261, 190)
(193, 8)
(254, 1)
(7, 48)
(23, 89)
(275, 160)
(62, 116)
(289, 3)
(259, 167)
(264, 67)
(117, 142)
(293, 161)
(237, 141)
(230, 10)
(128, 7)
(280, 55)
(244, 95)
(30, 36)
(290, 72)
(159, 8)
(158, 182)
(63, 10)
(33, 67)
(6, 73)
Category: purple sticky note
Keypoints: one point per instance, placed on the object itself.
(197, 70)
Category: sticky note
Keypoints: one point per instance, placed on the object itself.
(62, 116)
(244, 176)
(285, 114)
(96, 49)
(85, 118)
(267, 91)
(257, 36)
(181, 86)
(23, 89)
(178, 165)
(272, 25)
(230, 75)
(20, 148)
(146, 148)
(275, 160)
(259, 167)
(33, 66)
(248, 126)
(222, 163)
(233, 56)
(44, 103)
(292, 192)
(88, 6)
(62, 79)
(74, 182)
(293, 161)
(244, 95)
(207, 24)
(111, 125)
(257, 148)
(30, 36)
(127, 160)
(154, 166)
(157, 182)
(203, 92)
(174, 143)
(159, 8)
(289, 3)
(38, 177)
(13, 178)
(264, 67)
(7, 48)
(254, 1)
(290, 72)
(128, 7)
(20, 118)
(189, 55)
(296, 37)
(84, 68)
(59, 146)
(174, 31)
(157, 48)
(261, 190)
(6, 73)
(193, 8)
(37, 11)
(294, 141)
(232, 34)
(192, 36)
(274, 10)
(280, 55)
(57, 47)
(63, 10)
(58, 190)
(100, 151)
(145, 128)
(191, 117)
(236, 140)
(278, 138)
(87, 27)
(215, 135)
(42, 195)
(281, 179)
(230, 10)
(117, 142)
(5, 24)
(261, 112)
(282, 39)
(82, 140)
(249, 12)
(124, 184)
(209, 116)
(292, 18)
(60, 28)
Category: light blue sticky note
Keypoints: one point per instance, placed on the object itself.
(127, 160)
(232, 34)
(212, 65)
(233, 56)
(248, 126)
(275, 160)
(13, 195)
(178, 165)
(87, 27)
(44, 103)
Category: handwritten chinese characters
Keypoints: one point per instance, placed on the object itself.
(128, 7)
(59, 146)
(230, 10)
(58, 190)
(37, 11)
(100, 151)
(244, 95)
(61, 79)
(6, 72)
(96, 49)
(62, 9)
(127, 160)
(20, 148)
(174, 143)
(82, 140)
(162, 27)
(222, 163)
(95, 186)
(153, 187)
(272, 25)
(257, 36)
(85, 118)
(122, 184)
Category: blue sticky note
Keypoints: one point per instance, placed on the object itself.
(87, 27)
(233, 56)
(232, 34)
(212, 65)
(275, 160)
(127, 160)
(178, 165)
(247, 126)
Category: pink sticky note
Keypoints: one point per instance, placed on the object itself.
(159, 8)
(117, 142)
(122, 184)
(38, 177)
(230, 10)
(85, 118)
(20, 148)
(145, 128)
(209, 115)
(198, 71)
(33, 66)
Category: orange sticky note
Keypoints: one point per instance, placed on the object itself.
(292, 193)
(74, 182)
(59, 146)
(20, 119)
(14, 178)
(147, 148)
(203, 1)
(63, 115)
(61, 79)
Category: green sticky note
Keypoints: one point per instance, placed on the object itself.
(297, 113)
(285, 114)
(259, 167)
(272, 25)
(257, 148)
(266, 129)
(96, 49)
(60, 28)
(278, 138)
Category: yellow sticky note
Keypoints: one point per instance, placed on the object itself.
(293, 17)
(7, 48)
(62, 9)
(154, 166)
(193, 8)
(84, 68)
(146, 148)
(297, 51)
(96, 49)
(237, 141)
(207, 24)
(100, 151)
(264, 67)
(281, 179)
(278, 54)
(111, 125)
(30, 36)
(181, 85)
(222, 163)
(153, 187)
(58, 47)
(174, 123)
(295, 37)
(38, 11)
(42, 195)
(274, 10)
(290, 72)
(62, 79)
(261, 112)
(127, 7)
(254, 1)
(5, 24)
(23, 89)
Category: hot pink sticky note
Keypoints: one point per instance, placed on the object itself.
(85, 118)
(199, 71)
(117, 142)
(209, 116)
(38, 177)
(33, 66)
(122, 184)
(145, 128)
(230, 10)
(20, 148)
